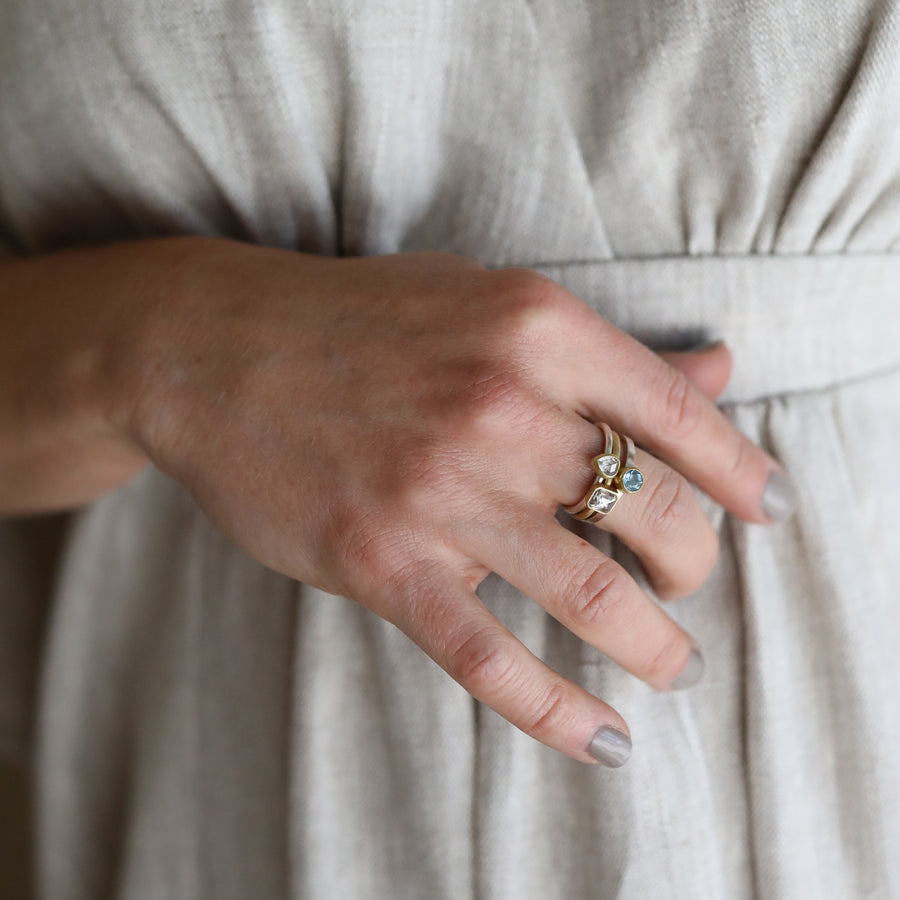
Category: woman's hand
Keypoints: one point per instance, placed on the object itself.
(394, 428)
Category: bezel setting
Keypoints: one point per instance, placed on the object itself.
(631, 480)
(602, 499)
(606, 465)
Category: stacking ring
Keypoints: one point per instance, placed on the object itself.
(614, 474)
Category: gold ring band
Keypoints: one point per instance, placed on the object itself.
(614, 474)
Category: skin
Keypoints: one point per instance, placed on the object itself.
(390, 429)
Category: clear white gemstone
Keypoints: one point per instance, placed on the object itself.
(607, 466)
(602, 499)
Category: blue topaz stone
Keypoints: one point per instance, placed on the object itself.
(632, 480)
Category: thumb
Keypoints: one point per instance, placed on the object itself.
(707, 367)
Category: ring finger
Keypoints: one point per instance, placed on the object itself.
(663, 523)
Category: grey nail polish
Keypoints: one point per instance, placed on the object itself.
(779, 499)
(704, 347)
(691, 672)
(610, 746)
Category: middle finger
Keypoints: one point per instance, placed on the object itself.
(589, 593)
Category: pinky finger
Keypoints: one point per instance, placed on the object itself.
(459, 633)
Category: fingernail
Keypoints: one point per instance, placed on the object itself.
(706, 347)
(779, 499)
(691, 673)
(610, 746)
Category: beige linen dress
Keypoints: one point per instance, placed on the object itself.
(694, 169)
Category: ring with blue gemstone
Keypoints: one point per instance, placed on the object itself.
(614, 474)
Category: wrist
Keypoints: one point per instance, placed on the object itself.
(74, 355)
(57, 450)
(141, 351)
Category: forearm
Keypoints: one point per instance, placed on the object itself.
(66, 320)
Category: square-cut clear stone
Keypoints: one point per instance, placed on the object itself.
(602, 499)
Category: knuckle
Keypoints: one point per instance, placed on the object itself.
(522, 286)
(530, 303)
(692, 547)
(681, 411)
(549, 716)
(599, 597)
(666, 509)
(484, 663)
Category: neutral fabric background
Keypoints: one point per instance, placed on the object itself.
(695, 170)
